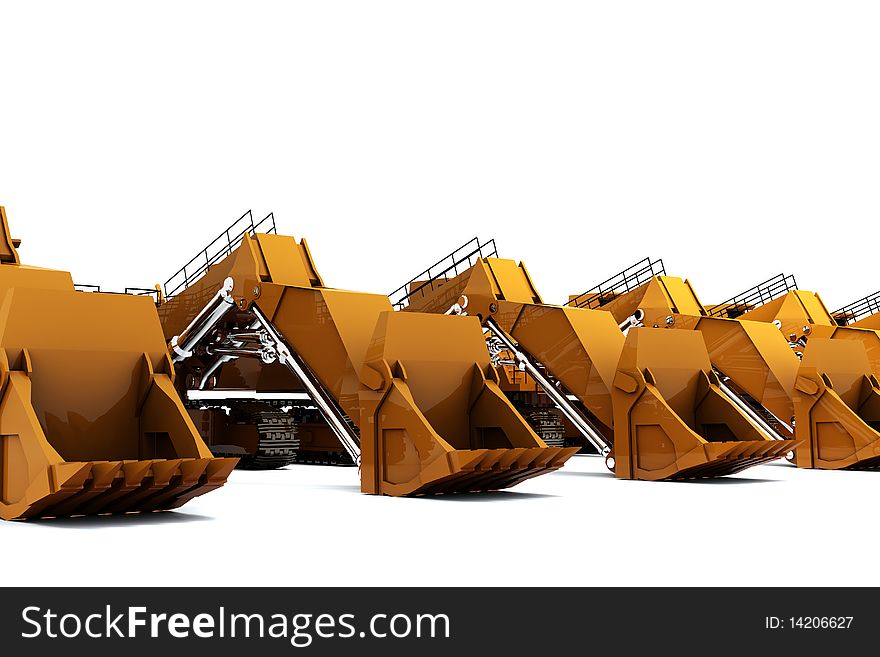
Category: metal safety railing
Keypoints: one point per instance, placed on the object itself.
(627, 280)
(739, 304)
(853, 312)
(460, 260)
(218, 249)
(135, 291)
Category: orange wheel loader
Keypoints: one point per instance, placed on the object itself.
(412, 399)
(648, 401)
(90, 422)
(783, 369)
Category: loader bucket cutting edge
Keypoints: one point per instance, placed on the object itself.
(731, 458)
(99, 488)
(496, 469)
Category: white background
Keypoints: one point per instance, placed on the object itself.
(734, 140)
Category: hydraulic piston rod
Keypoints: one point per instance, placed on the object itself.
(325, 403)
(762, 425)
(182, 345)
(559, 398)
(633, 320)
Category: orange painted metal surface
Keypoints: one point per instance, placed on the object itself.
(90, 421)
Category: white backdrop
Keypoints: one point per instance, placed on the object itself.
(736, 140)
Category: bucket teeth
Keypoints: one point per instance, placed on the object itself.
(731, 457)
(866, 464)
(186, 475)
(67, 480)
(103, 476)
(214, 477)
(100, 487)
(494, 469)
(218, 470)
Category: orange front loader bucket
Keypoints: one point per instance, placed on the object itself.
(89, 418)
(439, 421)
(672, 420)
(414, 399)
(838, 398)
